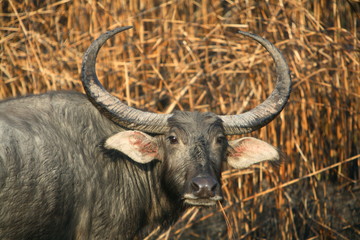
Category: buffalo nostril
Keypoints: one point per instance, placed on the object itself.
(204, 187)
(214, 187)
(195, 186)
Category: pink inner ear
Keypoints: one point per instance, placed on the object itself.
(247, 151)
(248, 146)
(143, 145)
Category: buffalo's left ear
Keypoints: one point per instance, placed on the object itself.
(246, 151)
(140, 147)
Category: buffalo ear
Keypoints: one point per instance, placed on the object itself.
(244, 152)
(137, 145)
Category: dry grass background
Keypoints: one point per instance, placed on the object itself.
(186, 54)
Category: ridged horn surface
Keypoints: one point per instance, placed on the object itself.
(116, 110)
(272, 106)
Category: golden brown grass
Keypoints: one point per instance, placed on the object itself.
(186, 54)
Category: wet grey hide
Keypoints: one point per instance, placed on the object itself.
(67, 172)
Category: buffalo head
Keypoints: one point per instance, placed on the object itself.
(190, 145)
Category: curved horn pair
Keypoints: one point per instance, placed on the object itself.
(132, 118)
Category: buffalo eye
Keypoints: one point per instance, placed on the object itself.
(220, 140)
(173, 140)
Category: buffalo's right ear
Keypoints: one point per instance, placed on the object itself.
(140, 147)
(244, 152)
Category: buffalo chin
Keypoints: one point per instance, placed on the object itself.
(190, 199)
(200, 202)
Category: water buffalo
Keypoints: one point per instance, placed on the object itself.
(76, 166)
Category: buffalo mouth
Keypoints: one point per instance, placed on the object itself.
(192, 200)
